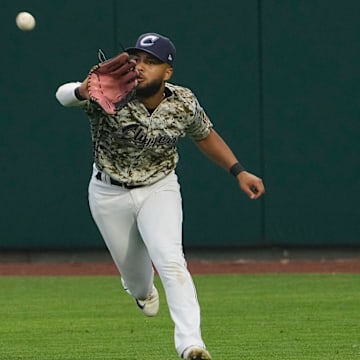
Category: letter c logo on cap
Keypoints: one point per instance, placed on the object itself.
(148, 40)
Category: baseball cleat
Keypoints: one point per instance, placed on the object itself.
(196, 353)
(150, 305)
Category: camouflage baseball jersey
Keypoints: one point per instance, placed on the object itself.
(136, 147)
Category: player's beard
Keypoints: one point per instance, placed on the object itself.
(144, 92)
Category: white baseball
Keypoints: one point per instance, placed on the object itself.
(25, 21)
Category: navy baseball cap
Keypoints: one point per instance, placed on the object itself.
(157, 45)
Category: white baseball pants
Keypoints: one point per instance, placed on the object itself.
(141, 227)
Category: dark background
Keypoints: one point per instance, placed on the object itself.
(278, 78)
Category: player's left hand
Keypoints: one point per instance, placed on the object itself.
(112, 83)
(251, 185)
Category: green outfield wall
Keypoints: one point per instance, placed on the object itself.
(278, 78)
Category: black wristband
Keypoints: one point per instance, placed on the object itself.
(77, 94)
(236, 169)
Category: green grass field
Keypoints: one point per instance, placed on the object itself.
(243, 317)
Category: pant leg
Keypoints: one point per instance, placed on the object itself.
(160, 224)
(114, 213)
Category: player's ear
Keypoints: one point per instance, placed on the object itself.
(168, 73)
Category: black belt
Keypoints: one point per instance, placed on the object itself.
(117, 183)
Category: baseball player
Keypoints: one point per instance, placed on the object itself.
(134, 194)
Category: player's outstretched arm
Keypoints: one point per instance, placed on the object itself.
(111, 84)
(68, 94)
(219, 152)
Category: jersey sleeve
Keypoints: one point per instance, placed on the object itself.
(65, 94)
(199, 128)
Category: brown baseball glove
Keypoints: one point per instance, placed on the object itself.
(112, 83)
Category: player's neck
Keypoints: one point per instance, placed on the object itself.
(153, 101)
